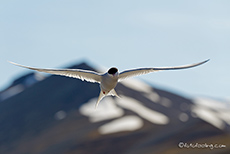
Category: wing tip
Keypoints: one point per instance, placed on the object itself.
(19, 65)
(207, 60)
(14, 63)
(11, 62)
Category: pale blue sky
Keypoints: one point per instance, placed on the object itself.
(122, 33)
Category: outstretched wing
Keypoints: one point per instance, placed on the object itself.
(87, 75)
(135, 72)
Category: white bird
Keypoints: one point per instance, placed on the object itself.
(108, 80)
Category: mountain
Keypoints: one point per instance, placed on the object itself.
(55, 114)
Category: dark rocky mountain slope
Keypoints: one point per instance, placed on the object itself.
(54, 114)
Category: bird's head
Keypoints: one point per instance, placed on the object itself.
(113, 71)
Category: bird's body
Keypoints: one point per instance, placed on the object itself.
(108, 83)
(108, 80)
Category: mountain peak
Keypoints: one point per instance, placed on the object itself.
(57, 115)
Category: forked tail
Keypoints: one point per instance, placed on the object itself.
(99, 99)
(114, 93)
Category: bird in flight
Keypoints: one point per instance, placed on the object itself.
(108, 80)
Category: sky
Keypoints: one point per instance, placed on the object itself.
(122, 33)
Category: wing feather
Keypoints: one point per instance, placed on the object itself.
(87, 75)
(140, 71)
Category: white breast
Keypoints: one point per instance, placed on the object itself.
(108, 82)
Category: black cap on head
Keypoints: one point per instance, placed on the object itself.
(113, 70)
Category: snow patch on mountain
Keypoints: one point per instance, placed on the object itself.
(126, 123)
(148, 91)
(212, 111)
(110, 108)
(20, 85)
(11, 92)
(183, 117)
(106, 110)
(144, 112)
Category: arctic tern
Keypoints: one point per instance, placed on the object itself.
(108, 80)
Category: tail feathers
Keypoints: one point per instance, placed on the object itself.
(99, 99)
(114, 93)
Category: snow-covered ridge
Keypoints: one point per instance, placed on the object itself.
(27, 81)
(212, 111)
(113, 109)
